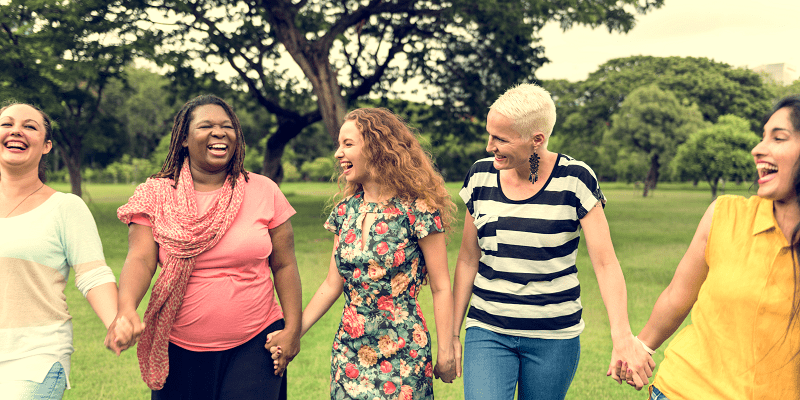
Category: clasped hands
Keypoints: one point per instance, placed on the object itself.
(631, 363)
(124, 332)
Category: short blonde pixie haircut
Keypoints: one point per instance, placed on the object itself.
(530, 107)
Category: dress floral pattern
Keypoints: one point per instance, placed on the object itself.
(382, 349)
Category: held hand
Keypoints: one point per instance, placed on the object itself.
(457, 355)
(631, 363)
(284, 347)
(445, 369)
(124, 332)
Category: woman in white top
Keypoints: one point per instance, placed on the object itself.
(43, 233)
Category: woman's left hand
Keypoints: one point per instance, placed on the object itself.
(284, 347)
(631, 363)
(445, 369)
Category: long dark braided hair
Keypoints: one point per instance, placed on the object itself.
(180, 131)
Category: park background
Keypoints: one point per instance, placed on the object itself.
(665, 125)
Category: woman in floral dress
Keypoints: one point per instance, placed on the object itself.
(389, 241)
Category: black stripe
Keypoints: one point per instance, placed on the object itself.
(571, 294)
(536, 225)
(523, 278)
(526, 324)
(506, 250)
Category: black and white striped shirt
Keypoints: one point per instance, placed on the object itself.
(527, 281)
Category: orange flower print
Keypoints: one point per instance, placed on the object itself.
(376, 271)
(351, 371)
(382, 248)
(389, 387)
(381, 228)
(428, 370)
(438, 221)
(350, 237)
(341, 209)
(399, 284)
(399, 257)
(420, 336)
(385, 303)
(367, 356)
(357, 273)
(386, 367)
(387, 346)
(406, 392)
(353, 322)
(411, 218)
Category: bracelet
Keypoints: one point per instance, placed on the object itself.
(646, 348)
(457, 336)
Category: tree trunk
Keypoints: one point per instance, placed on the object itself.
(288, 129)
(713, 183)
(652, 175)
(73, 163)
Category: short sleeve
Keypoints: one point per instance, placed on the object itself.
(335, 220)
(587, 191)
(467, 190)
(283, 210)
(424, 222)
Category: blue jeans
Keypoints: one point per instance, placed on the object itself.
(496, 364)
(656, 394)
(53, 387)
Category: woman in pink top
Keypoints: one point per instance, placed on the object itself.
(218, 232)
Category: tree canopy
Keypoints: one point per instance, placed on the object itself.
(466, 51)
(585, 108)
(718, 152)
(654, 122)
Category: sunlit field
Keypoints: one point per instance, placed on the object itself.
(649, 235)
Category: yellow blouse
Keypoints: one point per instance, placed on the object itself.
(737, 346)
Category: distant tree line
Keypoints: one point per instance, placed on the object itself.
(84, 63)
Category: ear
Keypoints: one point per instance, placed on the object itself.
(48, 145)
(185, 142)
(538, 139)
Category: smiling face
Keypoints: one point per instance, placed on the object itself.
(23, 135)
(350, 154)
(510, 150)
(211, 140)
(776, 157)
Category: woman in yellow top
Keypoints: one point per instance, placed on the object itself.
(739, 278)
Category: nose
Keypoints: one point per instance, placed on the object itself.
(218, 132)
(490, 147)
(759, 150)
(339, 153)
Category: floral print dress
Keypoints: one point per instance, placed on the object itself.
(382, 349)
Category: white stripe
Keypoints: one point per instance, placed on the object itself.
(533, 288)
(566, 333)
(526, 311)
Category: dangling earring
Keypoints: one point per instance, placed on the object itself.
(534, 161)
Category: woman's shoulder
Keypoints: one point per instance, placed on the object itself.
(261, 182)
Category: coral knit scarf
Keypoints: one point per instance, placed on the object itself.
(183, 235)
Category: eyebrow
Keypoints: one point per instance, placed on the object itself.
(24, 121)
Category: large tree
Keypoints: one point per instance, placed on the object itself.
(61, 55)
(718, 152)
(586, 108)
(466, 51)
(654, 122)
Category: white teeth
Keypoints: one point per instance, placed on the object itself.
(346, 165)
(218, 146)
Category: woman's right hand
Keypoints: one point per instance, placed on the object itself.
(124, 332)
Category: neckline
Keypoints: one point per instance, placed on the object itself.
(40, 206)
(535, 195)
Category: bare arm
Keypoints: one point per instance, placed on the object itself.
(614, 294)
(434, 250)
(466, 269)
(677, 300)
(134, 281)
(283, 263)
(327, 293)
(103, 299)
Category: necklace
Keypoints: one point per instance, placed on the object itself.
(23, 200)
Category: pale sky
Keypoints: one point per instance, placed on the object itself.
(742, 33)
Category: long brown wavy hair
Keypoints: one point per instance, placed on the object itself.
(793, 104)
(180, 131)
(399, 161)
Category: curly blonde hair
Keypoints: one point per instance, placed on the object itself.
(404, 167)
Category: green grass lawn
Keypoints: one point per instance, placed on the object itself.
(649, 234)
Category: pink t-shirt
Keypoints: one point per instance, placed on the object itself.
(230, 298)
